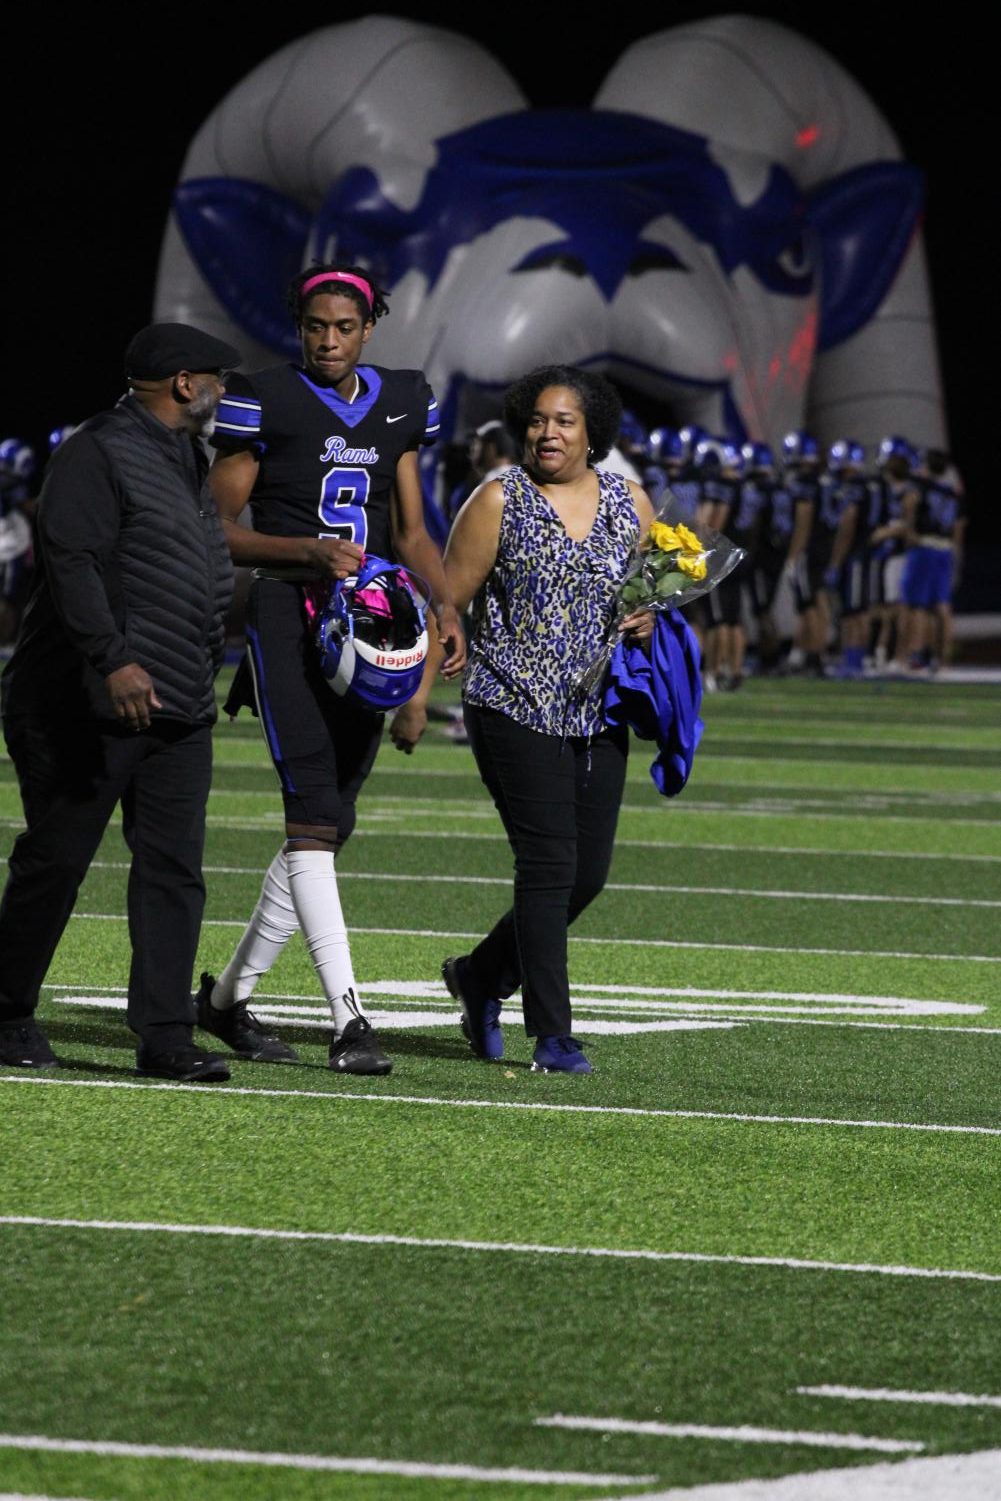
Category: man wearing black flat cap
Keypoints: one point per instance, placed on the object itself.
(109, 696)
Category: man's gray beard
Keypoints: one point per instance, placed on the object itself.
(202, 412)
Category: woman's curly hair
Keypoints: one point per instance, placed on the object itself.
(599, 400)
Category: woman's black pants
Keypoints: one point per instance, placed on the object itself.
(559, 803)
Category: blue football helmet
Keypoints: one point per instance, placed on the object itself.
(898, 448)
(664, 446)
(731, 457)
(372, 635)
(800, 448)
(758, 456)
(846, 454)
(17, 458)
(58, 435)
(690, 435)
(631, 429)
(708, 454)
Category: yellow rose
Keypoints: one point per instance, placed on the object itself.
(665, 537)
(689, 540)
(695, 567)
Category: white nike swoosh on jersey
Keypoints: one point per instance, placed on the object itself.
(396, 419)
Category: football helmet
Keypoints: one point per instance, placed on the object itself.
(372, 635)
(690, 435)
(632, 433)
(708, 454)
(731, 457)
(58, 435)
(845, 454)
(898, 448)
(800, 448)
(17, 458)
(758, 456)
(664, 446)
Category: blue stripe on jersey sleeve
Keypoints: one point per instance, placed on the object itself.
(239, 417)
(433, 426)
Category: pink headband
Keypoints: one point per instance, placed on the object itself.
(356, 281)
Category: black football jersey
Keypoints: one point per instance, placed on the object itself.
(327, 466)
(938, 508)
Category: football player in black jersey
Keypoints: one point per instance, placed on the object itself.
(325, 453)
(934, 526)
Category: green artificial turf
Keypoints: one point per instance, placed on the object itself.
(726, 906)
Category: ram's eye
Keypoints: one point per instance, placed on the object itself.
(542, 260)
(796, 259)
(655, 259)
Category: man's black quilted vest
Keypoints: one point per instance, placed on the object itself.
(172, 563)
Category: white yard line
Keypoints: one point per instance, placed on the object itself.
(329, 1463)
(614, 997)
(658, 888)
(21, 1496)
(221, 1092)
(510, 1248)
(737, 849)
(948, 1477)
(742, 1434)
(621, 843)
(762, 805)
(405, 810)
(765, 801)
(642, 943)
(887, 1394)
(637, 1011)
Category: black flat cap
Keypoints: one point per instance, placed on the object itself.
(162, 349)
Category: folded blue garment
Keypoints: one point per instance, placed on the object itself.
(659, 696)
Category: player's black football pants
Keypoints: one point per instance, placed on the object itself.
(559, 803)
(71, 776)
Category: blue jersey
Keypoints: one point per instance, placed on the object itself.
(687, 490)
(779, 516)
(745, 517)
(327, 466)
(837, 494)
(886, 505)
(938, 508)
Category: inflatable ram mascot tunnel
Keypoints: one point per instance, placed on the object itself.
(729, 232)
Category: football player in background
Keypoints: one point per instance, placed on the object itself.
(934, 527)
(736, 512)
(325, 453)
(809, 551)
(896, 460)
(845, 501)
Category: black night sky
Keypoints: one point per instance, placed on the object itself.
(96, 146)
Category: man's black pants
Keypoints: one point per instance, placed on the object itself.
(71, 776)
(559, 803)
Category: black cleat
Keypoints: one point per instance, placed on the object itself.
(239, 1028)
(357, 1051)
(23, 1044)
(187, 1064)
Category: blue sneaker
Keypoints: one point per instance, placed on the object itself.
(559, 1055)
(480, 1020)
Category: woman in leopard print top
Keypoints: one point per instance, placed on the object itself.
(539, 554)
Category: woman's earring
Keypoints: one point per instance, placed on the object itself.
(590, 453)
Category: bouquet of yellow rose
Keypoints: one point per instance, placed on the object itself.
(675, 562)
